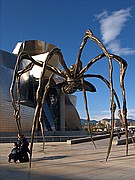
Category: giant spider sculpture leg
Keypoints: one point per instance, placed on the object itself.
(17, 75)
(38, 111)
(116, 97)
(123, 66)
(16, 78)
(87, 35)
(87, 113)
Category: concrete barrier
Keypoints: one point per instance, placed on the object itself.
(87, 139)
(123, 141)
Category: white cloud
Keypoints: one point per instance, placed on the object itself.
(116, 48)
(111, 27)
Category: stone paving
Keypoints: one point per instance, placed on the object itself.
(71, 162)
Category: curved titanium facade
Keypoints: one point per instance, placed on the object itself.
(7, 120)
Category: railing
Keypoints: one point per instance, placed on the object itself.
(40, 139)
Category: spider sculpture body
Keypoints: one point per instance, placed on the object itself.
(73, 80)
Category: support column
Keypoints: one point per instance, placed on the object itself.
(62, 112)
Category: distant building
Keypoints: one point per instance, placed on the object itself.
(59, 111)
(106, 122)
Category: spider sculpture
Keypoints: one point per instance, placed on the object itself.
(73, 79)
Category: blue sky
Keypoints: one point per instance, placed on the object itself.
(63, 23)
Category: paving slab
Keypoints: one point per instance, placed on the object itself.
(71, 162)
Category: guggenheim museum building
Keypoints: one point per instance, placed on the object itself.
(59, 109)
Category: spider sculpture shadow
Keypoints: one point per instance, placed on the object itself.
(73, 79)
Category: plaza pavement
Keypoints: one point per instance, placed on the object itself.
(71, 162)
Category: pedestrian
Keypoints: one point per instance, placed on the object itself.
(132, 132)
(23, 147)
(118, 133)
(14, 153)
